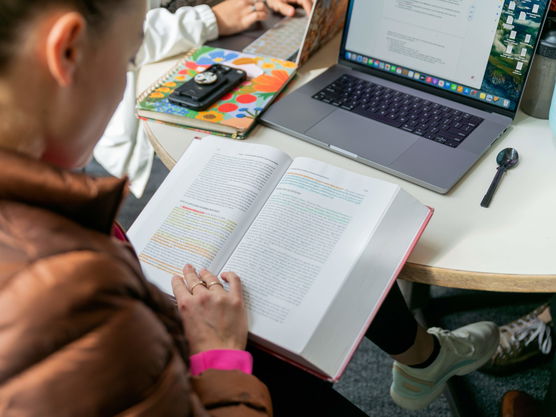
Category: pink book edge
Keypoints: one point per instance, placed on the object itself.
(359, 338)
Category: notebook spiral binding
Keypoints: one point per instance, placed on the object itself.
(169, 74)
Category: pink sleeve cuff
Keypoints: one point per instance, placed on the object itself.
(223, 359)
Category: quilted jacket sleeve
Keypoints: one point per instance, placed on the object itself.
(80, 335)
(232, 394)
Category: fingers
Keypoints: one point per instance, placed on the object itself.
(184, 287)
(260, 12)
(235, 283)
(258, 6)
(213, 283)
(179, 288)
(282, 7)
(285, 7)
(192, 279)
(307, 5)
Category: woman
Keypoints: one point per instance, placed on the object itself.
(82, 333)
(124, 148)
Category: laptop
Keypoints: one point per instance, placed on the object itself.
(283, 39)
(297, 37)
(421, 90)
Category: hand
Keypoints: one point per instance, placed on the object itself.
(213, 318)
(234, 16)
(284, 6)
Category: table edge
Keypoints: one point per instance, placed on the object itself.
(481, 281)
(425, 274)
(160, 151)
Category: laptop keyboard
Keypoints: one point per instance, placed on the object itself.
(282, 40)
(421, 117)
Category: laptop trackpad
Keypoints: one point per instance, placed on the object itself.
(368, 139)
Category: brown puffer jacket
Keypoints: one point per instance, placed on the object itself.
(81, 331)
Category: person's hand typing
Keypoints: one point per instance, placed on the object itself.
(213, 318)
(233, 16)
(285, 6)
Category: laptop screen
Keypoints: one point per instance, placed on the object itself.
(480, 49)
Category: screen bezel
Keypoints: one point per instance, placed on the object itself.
(458, 98)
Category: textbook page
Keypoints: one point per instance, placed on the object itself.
(204, 206)
(301, 247)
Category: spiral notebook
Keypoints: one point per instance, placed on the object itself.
(236, 113)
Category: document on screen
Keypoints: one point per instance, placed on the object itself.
(450, 39)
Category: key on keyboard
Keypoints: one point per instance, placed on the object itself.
(419, 116)
(282, 40)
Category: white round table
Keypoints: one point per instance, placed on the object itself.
(510, 246)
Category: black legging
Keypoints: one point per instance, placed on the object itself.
(296, 393)
(394, 328)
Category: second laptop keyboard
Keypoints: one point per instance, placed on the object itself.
(419, 116)
(282, 40)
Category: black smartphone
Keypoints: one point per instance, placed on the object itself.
(207, 87)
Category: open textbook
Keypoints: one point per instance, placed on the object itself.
(317, 247)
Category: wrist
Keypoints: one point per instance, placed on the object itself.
(196, 348)
(203, 343)
(220, 25)
(222, 359)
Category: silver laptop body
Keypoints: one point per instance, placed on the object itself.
(426, 161)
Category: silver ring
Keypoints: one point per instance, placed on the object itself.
(253, 7)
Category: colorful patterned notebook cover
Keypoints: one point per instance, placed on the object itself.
(238, 109)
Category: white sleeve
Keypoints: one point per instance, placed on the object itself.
(168, 34)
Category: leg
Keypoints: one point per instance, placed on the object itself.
(426, 359)
(296, 393)
(410, 344)
(523, 342)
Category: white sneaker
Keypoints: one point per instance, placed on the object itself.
(461, 351)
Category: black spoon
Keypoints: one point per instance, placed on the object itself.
(506, 159)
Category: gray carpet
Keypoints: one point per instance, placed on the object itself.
(367, 378)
